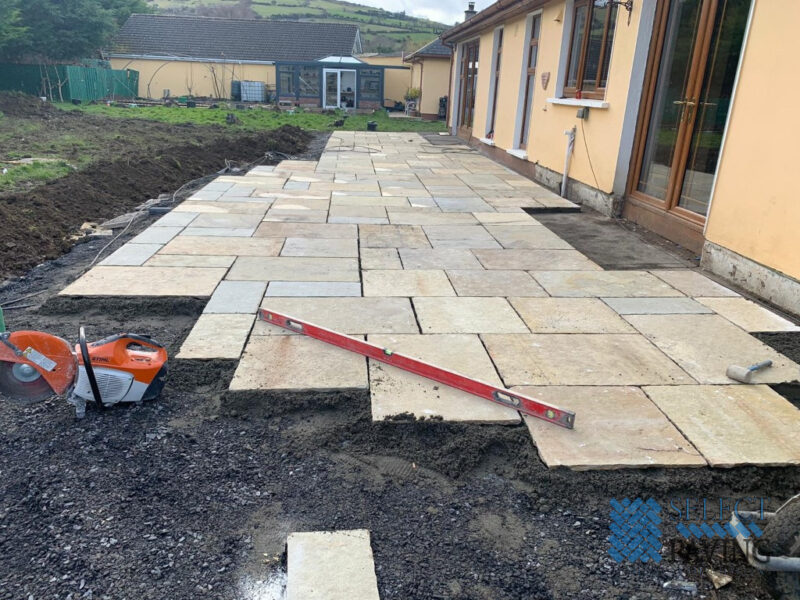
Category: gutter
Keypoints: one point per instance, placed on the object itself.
(498, 12)
(162, 57)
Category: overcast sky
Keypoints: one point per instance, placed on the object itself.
(443, 11)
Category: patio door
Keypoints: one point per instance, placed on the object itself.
(693, 63)
(468, 75)
(332, 87)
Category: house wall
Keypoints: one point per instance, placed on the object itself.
(196, 78)
(433, 76)
(754, 211)
(395, 80)
(546, 144)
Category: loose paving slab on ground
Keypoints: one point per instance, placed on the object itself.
(294, 268)
(152, 281)
(223, 246)
(131, 255)
(748, 315)
(616, 427)
(581, 359)
(236, 297)
(217, 336)
(705, 345)
(733, 425)
(330, 565)
(398, 392)
(693, 283)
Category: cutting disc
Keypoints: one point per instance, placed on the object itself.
(20, 381)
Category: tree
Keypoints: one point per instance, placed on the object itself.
(11, 27)
(62, 30)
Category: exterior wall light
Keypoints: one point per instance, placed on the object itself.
(626, 4)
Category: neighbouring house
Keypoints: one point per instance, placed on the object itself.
(430, 73)
(397, 75)
(303, 63)
(656, 110)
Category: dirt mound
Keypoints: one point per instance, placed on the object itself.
(17, 104)
(36, 224)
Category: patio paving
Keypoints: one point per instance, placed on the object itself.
(428, 251)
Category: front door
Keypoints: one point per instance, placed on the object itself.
(694, 58)
(332, 88)
(468, 74)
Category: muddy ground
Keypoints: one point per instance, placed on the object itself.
(193, 495)
(126, 163)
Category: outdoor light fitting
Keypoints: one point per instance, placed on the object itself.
(626, 4)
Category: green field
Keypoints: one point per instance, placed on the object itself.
(258, 119)
(381, 30)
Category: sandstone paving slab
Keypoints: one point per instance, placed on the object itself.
(131, 255)
(391, 282)
(156, 235)
(467, 315)
(223, 246)
(505, 218)
(748, 315)
(364, 201)
(380, 258)
(297, 362)
(569, 315)
(457, 232)
(294, 268)
(527, 236)
(153, 281)
(705, 345)
(583, 284)
(330, 565)
(189, 260)
(217, 336)
(581, 359)
(465, 205)
(331, 247)
(222, 208)
(656, 306)
(281, 215)
(313, 288)
(438, 258)
(345, 315)
(535, 260)
(392, 236)
(615, 427)
(236, 297)
(733, 425)
(307, 230)
(424, 217)
(475, 282)
(205, 195)
(234, 220)
(394, 391)
(300, 204)
(175, 219)
(245, 232)
(378, 212)
(692, 283)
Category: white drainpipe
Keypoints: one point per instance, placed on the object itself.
(570, 133)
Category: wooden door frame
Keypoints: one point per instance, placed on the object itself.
(676, 223)
(466, 47)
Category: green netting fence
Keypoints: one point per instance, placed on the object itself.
(64, 83)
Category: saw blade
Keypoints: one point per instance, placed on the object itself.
(19, 381)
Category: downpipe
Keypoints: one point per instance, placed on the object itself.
(570, 133)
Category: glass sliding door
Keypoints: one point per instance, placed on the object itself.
(694, 60)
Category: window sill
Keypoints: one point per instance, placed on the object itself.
(578, 102)
(518, 153)
(486, 141)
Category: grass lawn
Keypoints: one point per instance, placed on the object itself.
(258, 119)
(36, 172)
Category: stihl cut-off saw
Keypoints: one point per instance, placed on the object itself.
(120, 368)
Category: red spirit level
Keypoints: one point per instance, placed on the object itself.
(524, 404)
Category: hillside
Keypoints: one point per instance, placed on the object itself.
(381, 30)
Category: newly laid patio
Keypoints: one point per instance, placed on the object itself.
(426, 249)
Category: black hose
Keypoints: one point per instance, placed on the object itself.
(87, 364)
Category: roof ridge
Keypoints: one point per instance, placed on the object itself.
(206, 18)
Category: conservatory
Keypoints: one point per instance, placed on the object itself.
(332, 82)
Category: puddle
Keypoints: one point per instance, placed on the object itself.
(272, 587)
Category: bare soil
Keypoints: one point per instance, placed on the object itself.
(131, 161)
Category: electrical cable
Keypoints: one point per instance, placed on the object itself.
(588, 156)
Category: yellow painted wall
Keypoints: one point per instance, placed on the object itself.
(195, 78)
(435, 75)
(755, 211)
(546, 141)
(395, 81)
